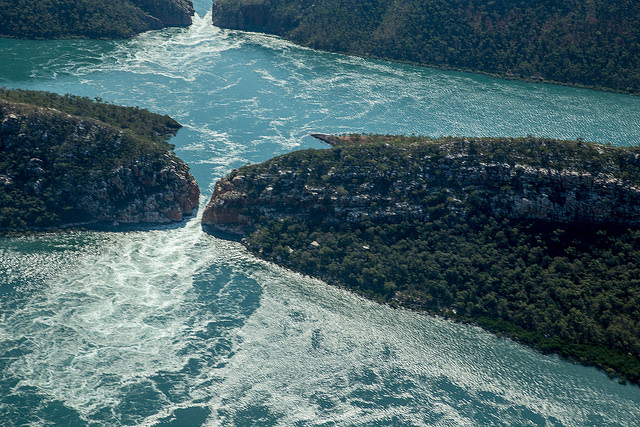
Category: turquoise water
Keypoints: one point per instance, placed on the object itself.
(176, 327)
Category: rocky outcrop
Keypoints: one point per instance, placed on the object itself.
(386, 180)
(171, 13)
(142, 191)
(228, 209)
(262, 16)
(521, 236)
(59, 169)
(251, 15)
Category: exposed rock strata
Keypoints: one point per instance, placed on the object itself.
(248, 15)
(61, 169)
(567, 182)
(170, 13)
(144, 190)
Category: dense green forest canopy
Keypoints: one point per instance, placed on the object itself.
(106, 19)
(594, 43)
(53, 144)
(569, 288)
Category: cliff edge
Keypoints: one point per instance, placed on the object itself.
(59, 169)
(393, 179)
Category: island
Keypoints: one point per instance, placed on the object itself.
(594, 44)
(69, 161)
(534, 239)
(94, 19)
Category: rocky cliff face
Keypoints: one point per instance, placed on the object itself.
(144, 190)
(59, 169)
(385, 181)
(171, 13)
(252, 16)
(255, 15)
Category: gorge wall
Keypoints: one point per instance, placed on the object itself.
(170, 13)
(59, 169)
(379, 180)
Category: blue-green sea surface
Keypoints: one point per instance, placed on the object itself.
(174, 327)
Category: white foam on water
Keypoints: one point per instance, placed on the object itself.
(113, 320)
(171, 52)
(100, 332)
(100, 325)
(312, 354)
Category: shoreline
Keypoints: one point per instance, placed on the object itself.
(516, 273)
(498, 327)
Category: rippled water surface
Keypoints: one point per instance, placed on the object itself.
(176, 327)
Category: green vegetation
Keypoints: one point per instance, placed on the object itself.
(568, 288)
(49, 155)
(594, 43)
(565, 290)
(136, 121)
(100, 19)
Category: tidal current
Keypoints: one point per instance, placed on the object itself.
(174, 327)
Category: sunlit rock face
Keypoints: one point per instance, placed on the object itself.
(384, 181)
(59, 169)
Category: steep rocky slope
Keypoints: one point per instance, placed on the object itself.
(59, 169)
(383, 181)
(102, 19)
(171, 13)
